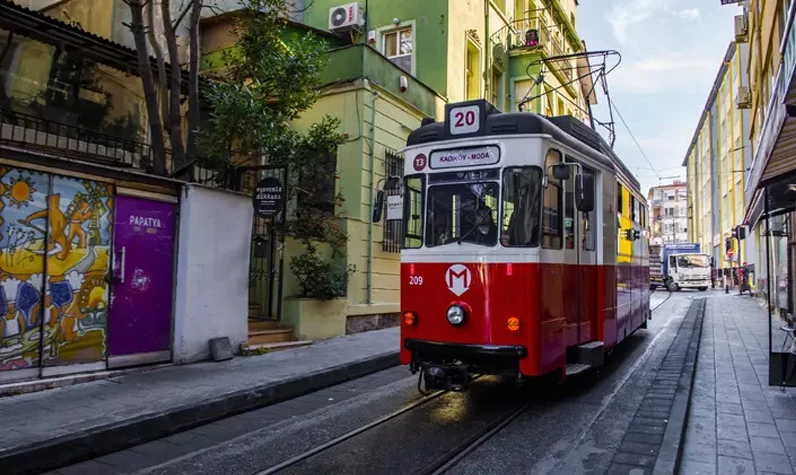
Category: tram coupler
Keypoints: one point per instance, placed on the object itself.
(446, 378)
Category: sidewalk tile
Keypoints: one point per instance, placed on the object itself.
(768, 445)
(735, 448)
(733, 466)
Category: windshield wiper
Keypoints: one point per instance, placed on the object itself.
(479, 221)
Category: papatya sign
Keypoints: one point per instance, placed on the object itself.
(465, 157)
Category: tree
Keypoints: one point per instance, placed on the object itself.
(268, 80)
(148, 83)
(165, 112)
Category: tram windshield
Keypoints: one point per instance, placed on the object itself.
(462, 212)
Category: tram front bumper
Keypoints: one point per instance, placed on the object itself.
(443, 362)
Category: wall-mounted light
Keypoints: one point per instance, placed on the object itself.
(404, 83)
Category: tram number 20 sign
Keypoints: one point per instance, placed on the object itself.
(464, 120)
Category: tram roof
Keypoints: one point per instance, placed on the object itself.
(565, 129)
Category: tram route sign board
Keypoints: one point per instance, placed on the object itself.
(269, 196)
(467, 118)
(465, 157)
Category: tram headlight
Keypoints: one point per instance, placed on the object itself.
(456, 315)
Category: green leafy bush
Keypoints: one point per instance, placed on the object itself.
(319, 277)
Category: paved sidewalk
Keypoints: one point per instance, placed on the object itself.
(737, 423)
(61, 426)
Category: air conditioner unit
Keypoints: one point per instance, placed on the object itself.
(741, 27)
(744, 98)
(345, 18)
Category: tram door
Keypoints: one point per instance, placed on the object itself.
(580, 239)
(588, 232)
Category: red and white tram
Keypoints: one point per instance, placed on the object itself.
(524, 252)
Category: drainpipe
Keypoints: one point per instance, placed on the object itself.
(372, 185)
(486, 72)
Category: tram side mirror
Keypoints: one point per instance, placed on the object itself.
(378, 206)
(584, 192)
(561, 171)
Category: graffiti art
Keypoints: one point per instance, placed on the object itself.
(58, 227)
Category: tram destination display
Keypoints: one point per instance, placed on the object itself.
(465, 157)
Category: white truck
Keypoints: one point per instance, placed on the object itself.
(684, 267)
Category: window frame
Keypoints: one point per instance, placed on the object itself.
(538, 238)
(428, 239)
(385, 31)
(407, 210)
(551, 181)
(590, 217)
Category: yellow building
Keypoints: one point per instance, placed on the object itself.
(715, 160)
(768, 27)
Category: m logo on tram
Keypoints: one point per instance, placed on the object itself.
(458, 279)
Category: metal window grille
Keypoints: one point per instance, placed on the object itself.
(393, 228)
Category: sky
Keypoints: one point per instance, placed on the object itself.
(671, 52)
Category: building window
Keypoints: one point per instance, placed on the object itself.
(472, 72)
(495, 86)
(398, 47)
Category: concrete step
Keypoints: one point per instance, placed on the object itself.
(272, 347)
(270, 336)
(263, 325)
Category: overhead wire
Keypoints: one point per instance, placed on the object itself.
(630, 132)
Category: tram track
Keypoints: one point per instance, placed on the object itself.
(662, 302)
(441, 464)
(293, 461)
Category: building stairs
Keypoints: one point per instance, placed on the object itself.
(267, 336)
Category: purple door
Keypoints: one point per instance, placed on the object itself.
(139, 328)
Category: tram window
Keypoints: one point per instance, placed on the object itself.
(588, 224)
(569, 213)
(413, 212)
(620, 209)
(521, 202)
(633, 208)
(465, 212)
(552, 208)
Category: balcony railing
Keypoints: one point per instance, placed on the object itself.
(33, 131)
(530, 34)
(76, 142)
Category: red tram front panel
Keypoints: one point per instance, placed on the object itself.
(543, 297)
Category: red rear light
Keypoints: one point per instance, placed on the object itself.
(409, 318)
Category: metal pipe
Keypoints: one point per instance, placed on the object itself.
(768, 268)
(369, 290)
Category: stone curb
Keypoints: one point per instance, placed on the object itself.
(671, 450)
(97, 441)
(27, 387)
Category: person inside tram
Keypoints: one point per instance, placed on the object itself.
(479, 226)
